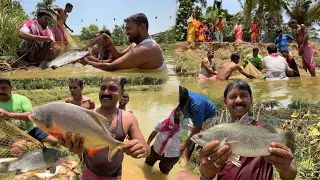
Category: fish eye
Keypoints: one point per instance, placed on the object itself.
(200, 135)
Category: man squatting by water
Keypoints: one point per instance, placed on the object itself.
(238, 100)
(122, 124)
(144, 53)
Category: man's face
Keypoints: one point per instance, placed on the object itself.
(220, 18)
(293, 25)
(75, 89)
(110, 92)
(255, 52)
(124, 101)
(236, 60)
(285, 54)
(44, 20)
(210, 54)
(5, 92)
(132, 31)
(279, 34)
(238, 102)
(69, 9)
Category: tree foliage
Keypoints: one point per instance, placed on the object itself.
(11, 16)
(118, 35)
(89, 32)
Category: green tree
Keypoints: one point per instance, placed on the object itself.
(89, 32)
(45, 4)
(118, 35)
(11, 16)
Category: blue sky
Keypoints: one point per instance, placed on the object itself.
(106, 10)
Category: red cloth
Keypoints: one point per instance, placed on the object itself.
(274, 55)
(169, 125)
(36, 28)
(252, 168)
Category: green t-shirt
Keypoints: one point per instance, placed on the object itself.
(18, 104)
(254, 60)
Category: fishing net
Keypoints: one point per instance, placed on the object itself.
(13, 142)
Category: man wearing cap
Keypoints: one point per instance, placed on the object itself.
(37, 39)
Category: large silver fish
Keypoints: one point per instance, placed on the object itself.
(59, 118)
(35, 160)
(243, 139)
(64, 58)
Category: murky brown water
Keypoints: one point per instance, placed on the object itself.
(149, 108)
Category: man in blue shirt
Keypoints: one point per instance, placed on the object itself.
(200, 110)
(282, 41)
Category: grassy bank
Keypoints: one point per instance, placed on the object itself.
(302, 118)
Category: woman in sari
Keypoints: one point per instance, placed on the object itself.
(254, 31)
(238, 32)
(209, 30)
(191, 36)
(200, 32)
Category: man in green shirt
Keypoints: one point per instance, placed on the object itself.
(254, 58)
(16, 108)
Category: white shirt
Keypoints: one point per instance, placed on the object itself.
(172, 148)
(276, 68)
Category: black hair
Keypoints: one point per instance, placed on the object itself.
(292, 20)
(272, 48)
(125, 95)
(5, 81)
(234, 56)
(238, 84)
(255, 49)
(138, 18)
(123, 81)
(183, 96)
(278, 31)
(105, 31)
(79, 81)
(40, 14)
(69, 5)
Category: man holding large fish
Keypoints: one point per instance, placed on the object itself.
(259, 145)
(99, 134)
(144, 53)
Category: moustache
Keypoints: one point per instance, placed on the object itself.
(106, 96)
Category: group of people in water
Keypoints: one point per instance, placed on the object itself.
(279, 63)
(206, 31)
(40, 44)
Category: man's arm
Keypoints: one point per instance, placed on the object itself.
(128, 61)
(305, 37)
(151, 137)
(114, 52)
(58, 9)
(206, 65)
(136, 147)
(28, 36)
(195, 130)
(92, 104)
(65, 24)
(289, 71)
(19, 116)
(241, 70)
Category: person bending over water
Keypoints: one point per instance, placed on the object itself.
(207, 69)
(144, 53)
(76, 88)
(228, 68)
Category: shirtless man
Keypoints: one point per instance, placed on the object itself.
(123, 102)
(228, 68)
(305, 46)
(59, 33)
(144, 53)
(122, 124)
(207, 69)
(76, 87)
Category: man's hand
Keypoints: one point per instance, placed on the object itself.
(208, 168)
(281, 157)
(135, 149)
(83, 61)
(76, 146)
(107, 38)
(91, 58)
(4, 114)
(44, 39)
(71, 30)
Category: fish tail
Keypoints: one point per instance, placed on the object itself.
(4, 169)
(112, 152)
(289, 140)
(44, 65)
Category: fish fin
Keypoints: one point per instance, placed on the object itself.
(289, 140)
(269, 128)
(92, 151)
(112, 152)
(234, 159)
(44, 64)
(223, 142)
(99, 119)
